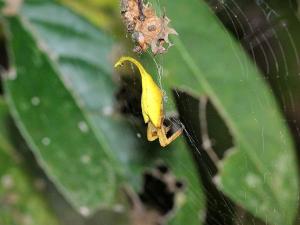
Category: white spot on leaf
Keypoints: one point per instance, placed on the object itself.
(85, 211)
(85, 159)
(35, 101)
(7, 181)
(108, 110)
(281, 164)
(252, 180)
(12, 74)
(46, 141)
(83, 127)
(217, 181)
(118, 208)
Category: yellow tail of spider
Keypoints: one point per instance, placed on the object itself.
(152, 106)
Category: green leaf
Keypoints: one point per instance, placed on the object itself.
(21, 203)
(54, 126)
(61, 94)
(4, 116)
(260, 172)
(99, 12)
(1, 4)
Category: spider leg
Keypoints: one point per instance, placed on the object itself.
(151, 132)
(162, 135)
(168, 128)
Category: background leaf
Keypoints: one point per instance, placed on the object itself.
(202, 62)
(100, 12)
(21, 202)
(1, 3)
(49, 139)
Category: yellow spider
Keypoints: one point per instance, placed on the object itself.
(152, 106)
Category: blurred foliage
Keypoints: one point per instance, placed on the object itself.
(99, 12)
(20, 200)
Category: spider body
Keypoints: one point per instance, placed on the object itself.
(152, 107)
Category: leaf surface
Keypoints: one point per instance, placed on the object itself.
(260, 173)
(21, 202)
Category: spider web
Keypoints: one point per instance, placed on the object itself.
(266, 30)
